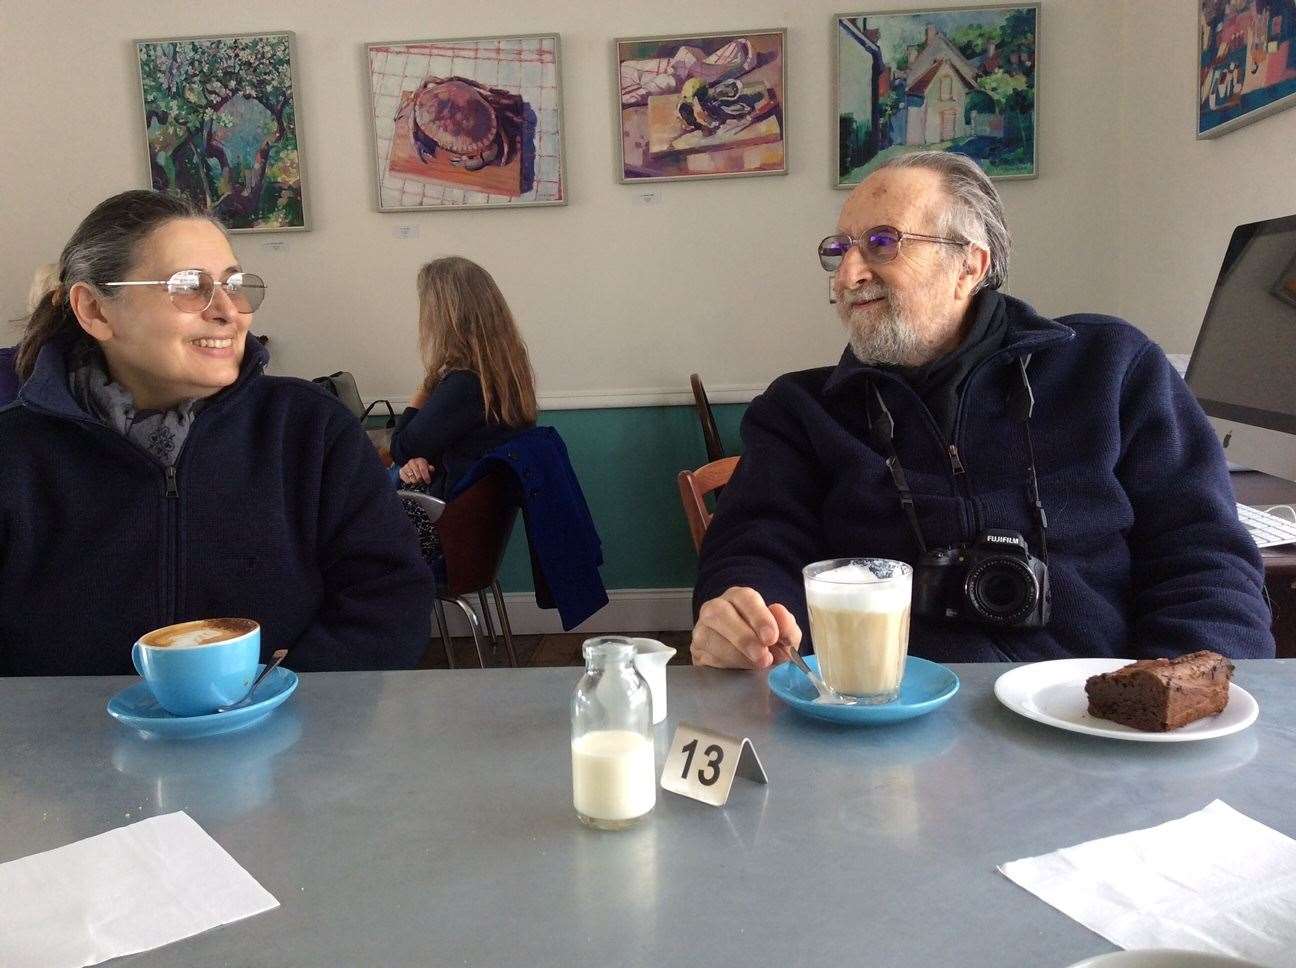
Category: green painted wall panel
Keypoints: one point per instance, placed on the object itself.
(626, 460)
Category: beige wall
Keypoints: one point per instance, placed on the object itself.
(620, 301)
(1178, 199)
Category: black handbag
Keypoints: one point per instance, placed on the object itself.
(343, 386)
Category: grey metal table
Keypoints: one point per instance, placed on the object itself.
(425, 818)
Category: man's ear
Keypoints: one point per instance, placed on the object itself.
(976, 263)
(87, 305)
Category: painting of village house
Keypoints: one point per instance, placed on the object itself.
(701, 106)
(468, 123)
(220, 124)
(962, 80)
(1247, 63)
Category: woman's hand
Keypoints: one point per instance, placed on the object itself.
(419, 398)
(416, 471)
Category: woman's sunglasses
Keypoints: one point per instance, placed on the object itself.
(878, 245)
(192, 290)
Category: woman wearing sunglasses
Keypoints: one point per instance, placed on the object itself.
(152, 474)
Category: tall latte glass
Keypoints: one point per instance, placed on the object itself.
(859, 620)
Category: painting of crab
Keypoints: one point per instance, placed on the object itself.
(475, 124)
(468, 122)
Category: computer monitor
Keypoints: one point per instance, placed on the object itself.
(1243, 367)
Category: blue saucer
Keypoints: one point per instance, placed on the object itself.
(925, 686)
(136, 707)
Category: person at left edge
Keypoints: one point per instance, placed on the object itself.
(151, 473)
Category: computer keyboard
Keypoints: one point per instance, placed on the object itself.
(1268, 530)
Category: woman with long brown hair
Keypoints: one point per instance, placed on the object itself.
(478, 390)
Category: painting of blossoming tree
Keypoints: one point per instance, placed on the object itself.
(220, 118)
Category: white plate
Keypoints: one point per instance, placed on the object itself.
(1053, 693)
(1163, 958)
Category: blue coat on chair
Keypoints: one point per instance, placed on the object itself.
(565, 549)
(8, 374)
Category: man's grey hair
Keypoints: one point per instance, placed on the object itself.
(976, 212)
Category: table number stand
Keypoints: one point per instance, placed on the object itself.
(702, 764)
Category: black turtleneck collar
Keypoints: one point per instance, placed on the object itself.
(940, 382)
(1026, 331)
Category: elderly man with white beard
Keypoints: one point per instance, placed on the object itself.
(958, 412)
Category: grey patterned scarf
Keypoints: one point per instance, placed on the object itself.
(160, 432)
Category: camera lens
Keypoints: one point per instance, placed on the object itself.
(1001, 590)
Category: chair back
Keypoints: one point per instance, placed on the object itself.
(343, 386)
(694, 486)
(710, 435)
(474, 530)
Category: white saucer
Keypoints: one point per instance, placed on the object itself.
(1053, 693)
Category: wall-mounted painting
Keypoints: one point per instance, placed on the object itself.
(961, 79)
(1246, 65)
(701, 105)
(220, 123)
(469, 123)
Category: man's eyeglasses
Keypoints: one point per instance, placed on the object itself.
(192, 290)
(878, 245)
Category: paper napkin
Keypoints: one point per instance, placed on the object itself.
(127, 890)
(1214, 881)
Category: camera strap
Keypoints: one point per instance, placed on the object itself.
(1025, 405)
(1021, 405)
(882, 427)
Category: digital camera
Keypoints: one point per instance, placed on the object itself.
(995, 580)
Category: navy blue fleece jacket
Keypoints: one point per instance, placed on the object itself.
(1146, 555)
(278, 510)
(450, 431)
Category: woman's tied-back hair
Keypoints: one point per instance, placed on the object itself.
(44, 279)
(465, 324)
(102, 249)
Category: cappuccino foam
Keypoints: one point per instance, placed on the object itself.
(857, 588)
(207, 631)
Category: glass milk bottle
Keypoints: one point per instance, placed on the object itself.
(614, 774)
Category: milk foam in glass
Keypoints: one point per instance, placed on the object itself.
(614, 772)
(859, 621)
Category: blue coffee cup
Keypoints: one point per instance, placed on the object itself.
(195, 667)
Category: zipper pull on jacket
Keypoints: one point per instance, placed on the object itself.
(955, 462)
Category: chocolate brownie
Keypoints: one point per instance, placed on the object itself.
(1156, 695)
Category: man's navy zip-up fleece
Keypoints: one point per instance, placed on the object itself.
(277, 509)
(1146, 556)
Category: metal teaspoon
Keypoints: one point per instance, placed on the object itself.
(275, 659)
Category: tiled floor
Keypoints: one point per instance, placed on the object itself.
(543, 650)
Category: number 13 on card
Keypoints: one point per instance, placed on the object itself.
(702, 764)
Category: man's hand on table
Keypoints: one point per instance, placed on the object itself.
(737, 630)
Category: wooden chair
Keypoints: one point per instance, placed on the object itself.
(694, 486)
(474, 530)
(710, 435)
